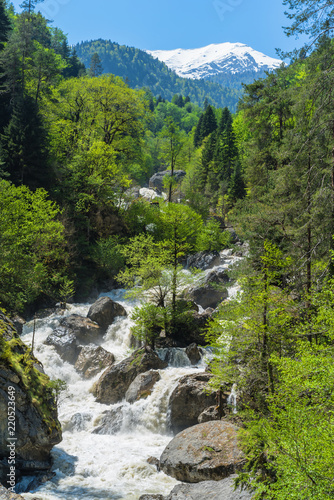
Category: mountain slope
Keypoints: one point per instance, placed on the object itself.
(140, 70)
(214, 59)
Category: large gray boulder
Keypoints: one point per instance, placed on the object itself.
(85, 330)
(210, 490)
(110, 422)
(208, 295)
(115, 381)
(104, 311)
(65, 344)
(188, 400)
(193, 353)
(142, 386)
(37, 428)
(92, 360)
(156, 181)
(203, 452)
(203, 260)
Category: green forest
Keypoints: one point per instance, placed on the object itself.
(76, 144)
(140, 69)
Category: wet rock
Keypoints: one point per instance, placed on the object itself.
(104, 311)
(218, 276)
(65, 344)
(203, 452)
(188, 400)
(156, 181)
(203, 260)
(78, 422)
(37, 428)
(211, 413)
(84, 330)
(193, 353)
(208, 295)
(8, 495)
(142, 386)
(92, 360)
(211, 490)
(154, 461)
(18, 324)
(115, 381)
(110, 422)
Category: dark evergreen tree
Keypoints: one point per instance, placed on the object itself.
(95, 68)
(5, 26)
(5, 29)
(237, 188)
(29, 5)
(22, 146)
(198, 132)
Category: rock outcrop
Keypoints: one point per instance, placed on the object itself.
(208, 295)
(210, 490)
(142, 386)
(156, 181)
(85, 330)
(203, 260)
(110, 422)
(193, 353)
(203, 452)
(188, 400)
(104, 311)
(115, 381)
(36, 428)
(92, 360)
(65, 344)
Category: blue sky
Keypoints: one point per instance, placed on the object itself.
(170, 24)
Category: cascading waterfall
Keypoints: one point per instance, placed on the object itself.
(89, 465)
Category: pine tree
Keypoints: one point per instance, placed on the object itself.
(4, 25)
(22, 146)
(96, 68)
(237, 188)
(29, 5)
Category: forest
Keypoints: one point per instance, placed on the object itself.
(75, 145)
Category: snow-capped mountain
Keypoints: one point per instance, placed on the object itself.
(215, 59)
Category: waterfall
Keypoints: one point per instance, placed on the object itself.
(87, 464)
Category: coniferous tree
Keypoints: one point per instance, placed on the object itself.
(96, 68)
(22, 146)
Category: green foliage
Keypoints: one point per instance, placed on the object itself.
(107, 254)
(149, 321)
(212, 237)
(141, 70)
(32, 255)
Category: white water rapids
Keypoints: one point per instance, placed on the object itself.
(93, 466)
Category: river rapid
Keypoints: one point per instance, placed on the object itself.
(92, 466)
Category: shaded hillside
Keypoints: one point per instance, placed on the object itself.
(139, 69)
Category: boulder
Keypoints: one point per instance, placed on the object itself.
(203, 260)
(65, 344)
(211, 413)
(193, 353)
(92, 360)
(203, 452)
(208, 295)
(218, 275)
(142, 386)
(104, 311)
(85, 330)
(212, 490)
(18, 324)
(188, 400)
(110, 422)
(115, 381)
(37, 428)
(78, 422)
(156, 181)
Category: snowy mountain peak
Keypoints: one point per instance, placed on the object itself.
(214, 59)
